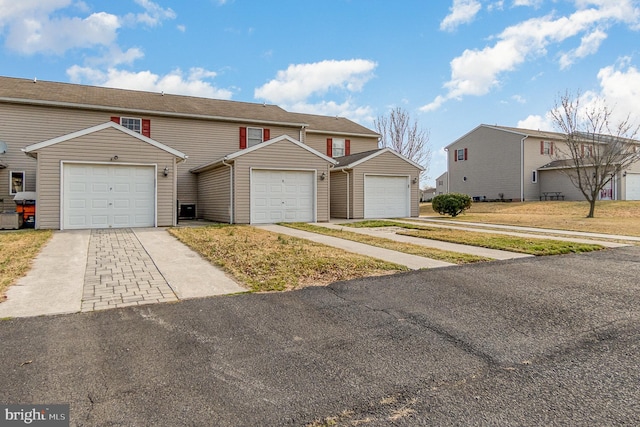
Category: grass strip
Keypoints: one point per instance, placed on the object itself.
(17, 251)
(532, 246)
(266, 261)
(419, 250)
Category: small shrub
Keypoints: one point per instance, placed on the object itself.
(451, 204)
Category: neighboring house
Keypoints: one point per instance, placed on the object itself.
(427, 194)
(100, 157)
(504, 163)
(442, 184)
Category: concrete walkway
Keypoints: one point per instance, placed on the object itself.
(88, 270)
(390, 233)
(412, 261)
(588, 238)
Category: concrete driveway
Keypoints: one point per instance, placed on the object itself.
(86, 270)
(527, 342)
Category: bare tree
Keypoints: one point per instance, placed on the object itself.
(595, 150)
(400, 133)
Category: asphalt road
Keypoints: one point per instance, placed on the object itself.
(544, 341)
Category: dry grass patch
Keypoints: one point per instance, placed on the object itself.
(441, 255)
(266, 261)
(532, 246)
(612, 217)
(17, 251)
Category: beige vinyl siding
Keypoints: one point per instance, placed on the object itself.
(203, 141)
(534, 160)
(554, 180)
(358, 144)
(214, 194)
(492, 166)
(282, 155)
(339, 207)
(101, 146)
(384, 164)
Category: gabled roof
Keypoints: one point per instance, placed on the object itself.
(518, 131)
(236, 154)
(353, 160)
(31, 149)
(45, 93)
(334, 125)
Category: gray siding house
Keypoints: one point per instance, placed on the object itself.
(100, 157)
(497, 162)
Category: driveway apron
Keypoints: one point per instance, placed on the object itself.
(121, 273)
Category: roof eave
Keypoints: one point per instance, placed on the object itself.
(45, 103)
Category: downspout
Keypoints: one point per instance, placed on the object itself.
(522, 168)
(348, 198)
(448, 173)
(301, 134)
(230, 190)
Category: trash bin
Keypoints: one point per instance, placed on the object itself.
(26, 207)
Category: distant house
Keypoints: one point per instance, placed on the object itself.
(504, 163)
(427, 194)
(101, 158)
(442, 184)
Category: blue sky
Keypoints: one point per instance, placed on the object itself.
(452, 64)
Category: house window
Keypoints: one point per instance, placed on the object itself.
(131, 124)
(254, 136)
(460, 155)
(546, 148)
(16, 182)
(534, 177)
(440, 183)
(337, 147)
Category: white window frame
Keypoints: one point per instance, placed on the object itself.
(139, 130)
(546, 147)
(24, 181)
(460, 154)
(251, 141)
(534, 177)
(338, 146)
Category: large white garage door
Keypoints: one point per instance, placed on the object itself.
(633, 186)
(105, 196)
(386, 196)
(282, 196)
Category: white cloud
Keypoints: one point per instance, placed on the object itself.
(153, 14)
(299, 82)
(462, 12)
(300, 88)
(115, 56)
(620, 87)
(52, 27)
(176, 82)
(588, 46)
(40, 34)
(529, 3)
(536, 122)
(478, 71)
(181, 28)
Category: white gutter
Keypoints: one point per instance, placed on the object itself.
(230, 190)
(364, 135)
(348, 199)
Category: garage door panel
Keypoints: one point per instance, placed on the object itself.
(633, 186)
(282, 196)
(103, 196)
(386, 196)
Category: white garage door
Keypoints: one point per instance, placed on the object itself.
(386, 196)
(282, 196)
(633, 186)
(106, 196)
